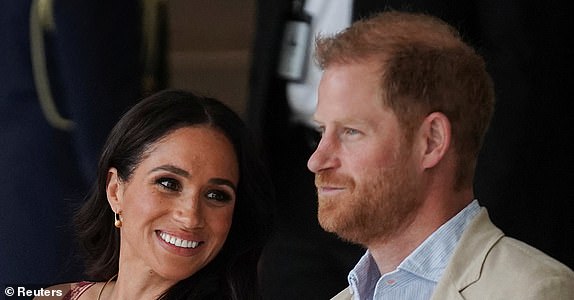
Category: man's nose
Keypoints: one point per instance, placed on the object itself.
(324, 157)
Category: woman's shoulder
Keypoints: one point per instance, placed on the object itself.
(68, 291)
(78, 289)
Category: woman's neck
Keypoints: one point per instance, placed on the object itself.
(136, 285)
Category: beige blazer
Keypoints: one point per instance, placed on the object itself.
(488, 265)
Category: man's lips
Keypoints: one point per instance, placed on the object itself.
(327, 190)
(330, 184)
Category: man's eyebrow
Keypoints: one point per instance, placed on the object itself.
(352, 121)
(171, 169)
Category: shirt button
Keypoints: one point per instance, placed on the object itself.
(391, 282)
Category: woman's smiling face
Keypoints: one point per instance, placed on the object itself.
(177, 206)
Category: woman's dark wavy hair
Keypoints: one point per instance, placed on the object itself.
(233, 272)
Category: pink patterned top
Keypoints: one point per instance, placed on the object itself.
(78, 290)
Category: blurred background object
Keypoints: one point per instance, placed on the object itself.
(68, 72)
(209, 48)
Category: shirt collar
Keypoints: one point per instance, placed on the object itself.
(427, 261)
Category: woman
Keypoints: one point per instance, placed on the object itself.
(180, 208)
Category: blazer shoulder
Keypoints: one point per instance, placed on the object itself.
(517, 270)
(489, 265)
(518, 256)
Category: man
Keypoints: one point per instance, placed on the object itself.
(301, 256)
(403, 107)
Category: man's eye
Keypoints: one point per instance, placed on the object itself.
(217, 195)
(169, 184)
(351, 131)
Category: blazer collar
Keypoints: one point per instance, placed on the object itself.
(466, 263)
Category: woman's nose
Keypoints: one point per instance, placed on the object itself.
(189, 212)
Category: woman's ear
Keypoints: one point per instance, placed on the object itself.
(114, 190)
(437, 136)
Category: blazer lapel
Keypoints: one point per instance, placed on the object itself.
(344, 295)
(466, 263)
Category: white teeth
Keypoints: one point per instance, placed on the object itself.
(177, 241)
(189, 244)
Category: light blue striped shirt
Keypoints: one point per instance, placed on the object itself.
(417, 275)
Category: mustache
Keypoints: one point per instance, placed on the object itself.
(332, 179)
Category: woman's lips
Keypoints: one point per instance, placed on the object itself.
(178, 242)
(179, 245)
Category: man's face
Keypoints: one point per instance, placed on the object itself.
(366, 179)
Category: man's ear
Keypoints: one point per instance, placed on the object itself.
(436, 133)
(114, 190)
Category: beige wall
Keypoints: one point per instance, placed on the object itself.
(209, 46)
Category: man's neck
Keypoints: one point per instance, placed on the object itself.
(389, 252)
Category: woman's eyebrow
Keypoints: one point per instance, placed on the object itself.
(171, 169)
(184, 173)
(222, 181)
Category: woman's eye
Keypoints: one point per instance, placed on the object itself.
(217, 195)
(169, 184)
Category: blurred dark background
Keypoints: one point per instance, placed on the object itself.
(69, 69)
